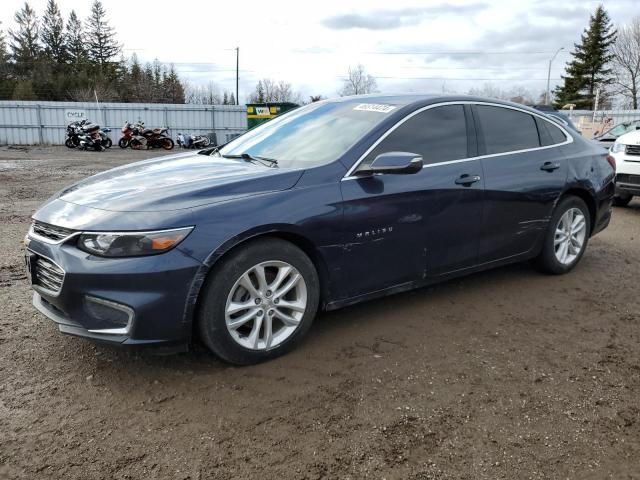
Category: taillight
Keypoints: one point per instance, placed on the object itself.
(612, 162)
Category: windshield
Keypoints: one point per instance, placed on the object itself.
(621, 129)
(309, 136)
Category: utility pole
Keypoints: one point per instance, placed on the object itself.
(237, 73)
(547, 95)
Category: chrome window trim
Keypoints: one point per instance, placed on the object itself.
(569, 139)
(116, 306)
(41, 289)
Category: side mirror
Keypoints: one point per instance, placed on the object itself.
(393, 163)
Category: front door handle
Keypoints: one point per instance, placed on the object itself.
(550, 166)
(467, 179)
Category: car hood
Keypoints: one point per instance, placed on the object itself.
(177, 182)
(630, 138)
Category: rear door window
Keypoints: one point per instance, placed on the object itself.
(507, 130)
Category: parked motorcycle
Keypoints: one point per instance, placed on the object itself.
(91, 138)
(129, 130)
(184, 140)
(151, 138)
(79, 129)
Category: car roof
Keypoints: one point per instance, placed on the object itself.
(420, 100)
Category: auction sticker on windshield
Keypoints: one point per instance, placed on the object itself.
(375, 107)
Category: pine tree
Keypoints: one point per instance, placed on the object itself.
(25, 48)
(232, 99)
(588, 70)
(101, 43)
(172, 87)
(76, 49)
(53, 34)
(6, 84)
(225, 98)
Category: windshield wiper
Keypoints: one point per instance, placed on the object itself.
(254, 158)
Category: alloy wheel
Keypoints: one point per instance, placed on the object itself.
(266, 305)
(570, 235)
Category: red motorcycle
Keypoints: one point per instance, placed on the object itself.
(129, 131)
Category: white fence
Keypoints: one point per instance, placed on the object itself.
(33, 123)
(617, 116)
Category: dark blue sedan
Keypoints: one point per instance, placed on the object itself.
(330, 204)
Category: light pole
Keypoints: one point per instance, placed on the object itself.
(547, 96)
(237, 73)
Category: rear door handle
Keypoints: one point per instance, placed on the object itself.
(467, 180)
(550, 166)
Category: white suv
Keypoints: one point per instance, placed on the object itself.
(626, 151)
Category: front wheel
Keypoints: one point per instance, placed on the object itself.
(167, 144)
(69, 143)
(123, 143)
(622, 200)
(567, 236)
(258, 302)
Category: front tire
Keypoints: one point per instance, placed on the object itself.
(622, 200)
(567, 236)
(69, 143)
(167, 144)
(123, 143)
(258, 302)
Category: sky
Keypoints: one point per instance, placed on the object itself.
(409, 46)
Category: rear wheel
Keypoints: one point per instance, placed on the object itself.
(567, 236)
(107, 143)
(205, 141)
(622, 200)
(259, 302)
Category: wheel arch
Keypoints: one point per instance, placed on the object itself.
(288, 233)
(588, 198)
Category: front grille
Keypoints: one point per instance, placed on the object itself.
(46, 274)
(632, 150)
(51, 232)
(627, 179)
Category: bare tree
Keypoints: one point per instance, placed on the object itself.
(268, 90)
(626, 61)
(208, 94)
(358, 82)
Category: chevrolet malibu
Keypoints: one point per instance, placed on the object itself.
(330, 204)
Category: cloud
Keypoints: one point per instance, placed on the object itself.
(390, 19)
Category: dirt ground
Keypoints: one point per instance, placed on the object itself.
(508, 374)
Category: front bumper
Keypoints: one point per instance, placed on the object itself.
(627, 184)
(129, 301)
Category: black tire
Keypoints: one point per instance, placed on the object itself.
(123, 143)
(107, 143)
(210, 315)
(69, 143)
(547, 260)
(135, 144)
(206, 141)
(167, 144)
(622, 201)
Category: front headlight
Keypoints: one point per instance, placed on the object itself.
(618, 147)
(131, 244)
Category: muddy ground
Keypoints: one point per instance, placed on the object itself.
(506, 374)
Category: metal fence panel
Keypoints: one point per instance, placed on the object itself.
(32, 123)
(618, 116)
